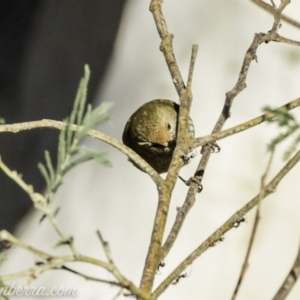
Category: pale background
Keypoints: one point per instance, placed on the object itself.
(121, 201)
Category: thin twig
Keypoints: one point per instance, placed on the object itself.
(290, 280)
(53, 262)
(106, 247)
(90, 278)
(166, 45)
(183, 143)
(191, 68)
(52, 124)
(117, 295)
(6, 236)
(275, 37)
(254, 229)
(244, 126)
(277, 15)
(57, 262)
(39, 202)
(230, 223)
(269, 8)
(36, 271)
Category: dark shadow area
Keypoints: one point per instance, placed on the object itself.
(43, 48)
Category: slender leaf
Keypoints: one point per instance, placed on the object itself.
(67, 241)
(49, 166)
(45, 174)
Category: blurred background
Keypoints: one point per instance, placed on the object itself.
(43, 47)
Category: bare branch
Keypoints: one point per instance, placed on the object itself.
(230, 223)
(277, 15)
(52, 124)
(106, 247)
(254, 229)
(166, 45)
(6, 236)
(195, 181)
(39, 203)
(269, 8)
(244, 126)
(192, 66)
(91, 278)
(53, 262)
(290, 280)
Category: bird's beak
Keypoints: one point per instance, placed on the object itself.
(145, 144)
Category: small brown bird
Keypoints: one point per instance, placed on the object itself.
(151, 132)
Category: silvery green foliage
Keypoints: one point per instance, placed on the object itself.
(289, 128)
(70, 153)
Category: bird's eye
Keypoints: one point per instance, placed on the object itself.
(169, 126)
